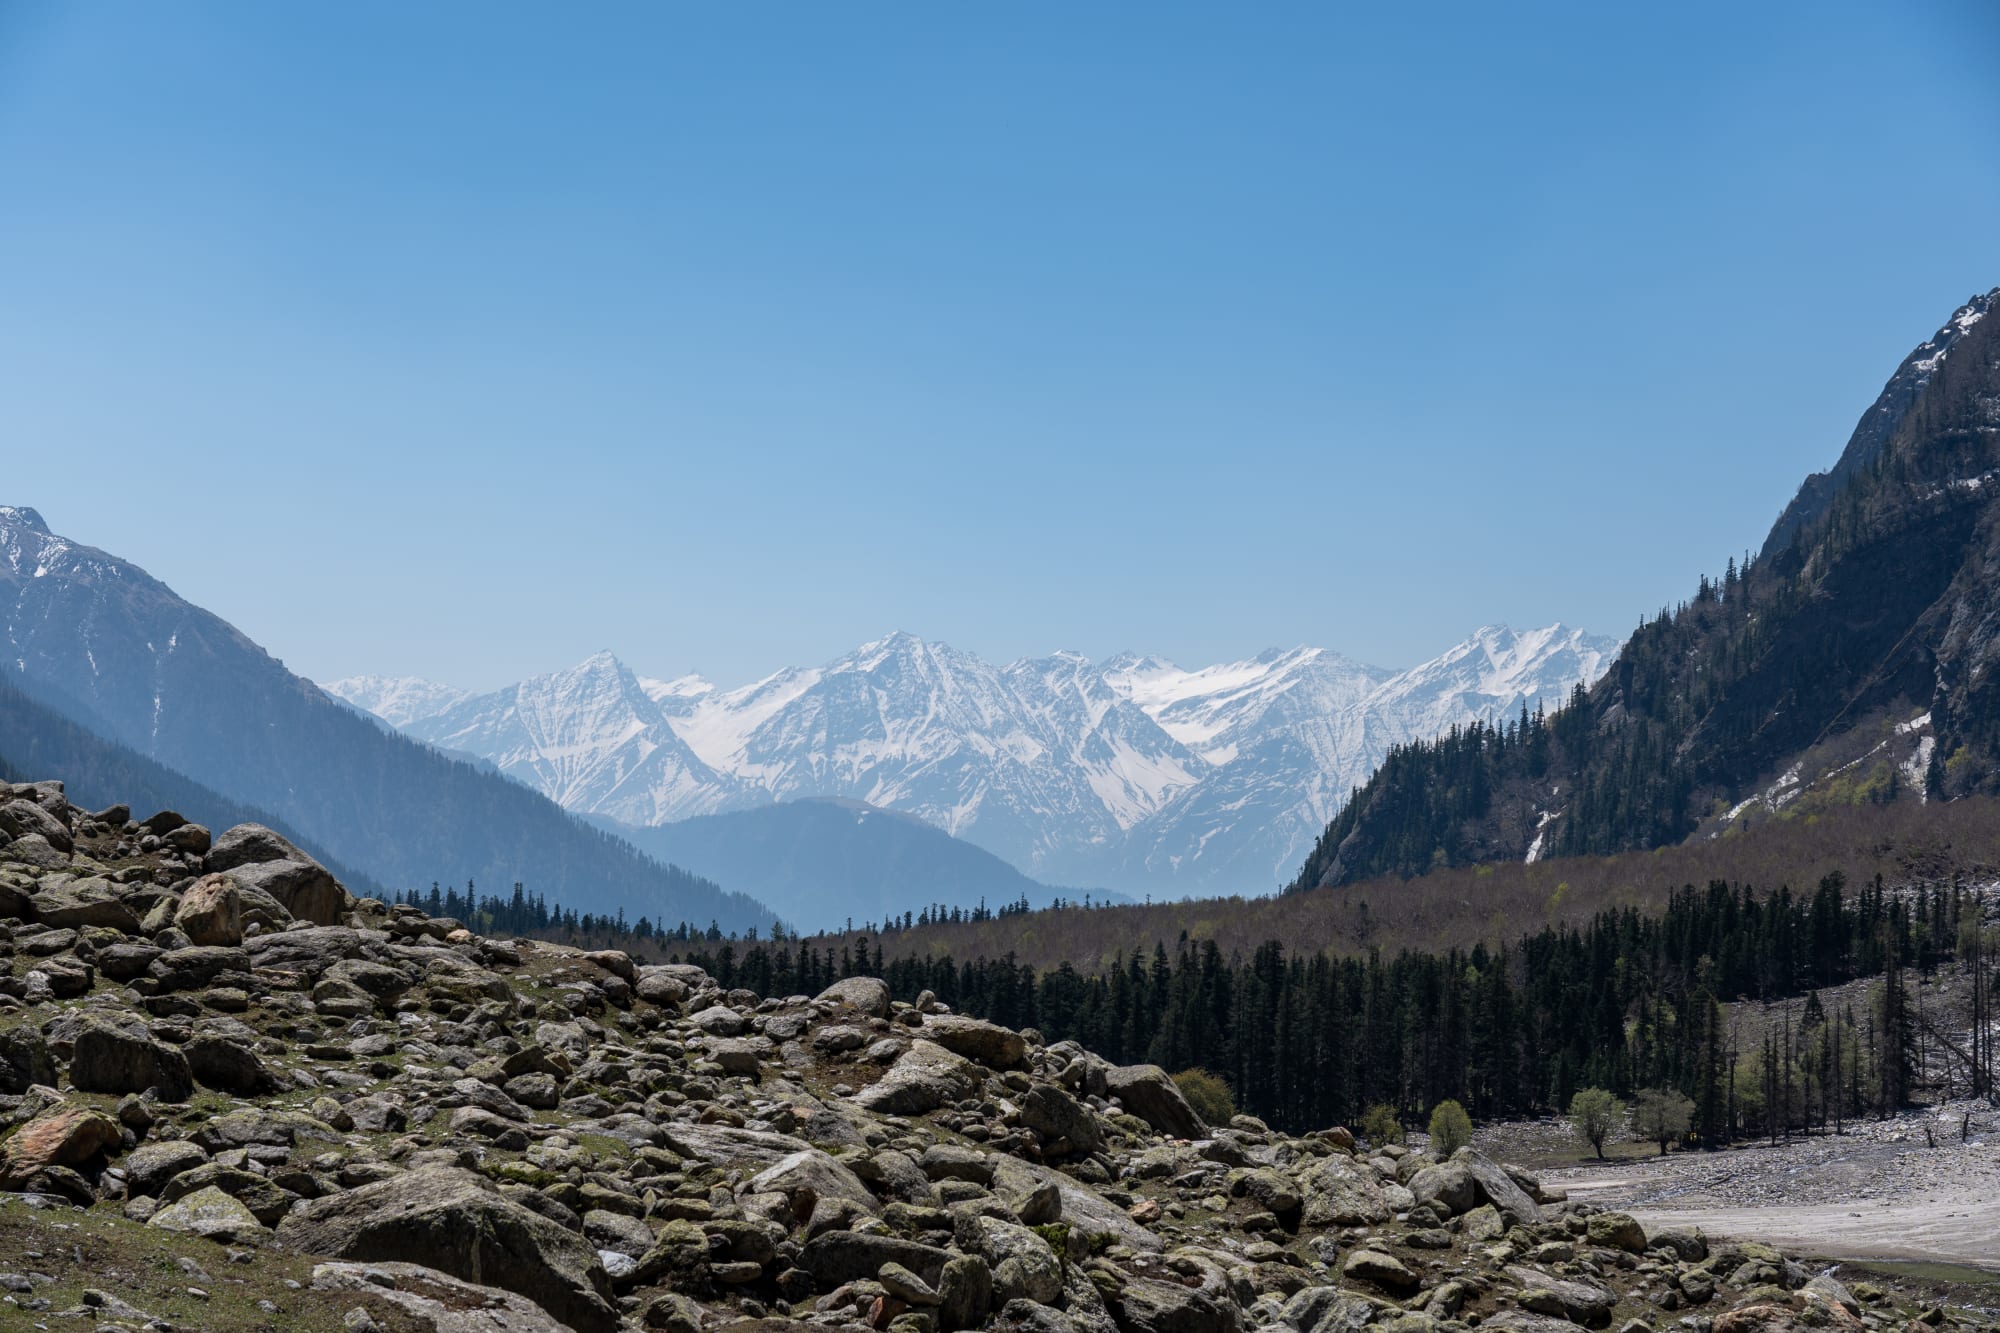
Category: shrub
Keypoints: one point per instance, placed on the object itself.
(1380, 1126)
(1595, 1115)
(1207, 1094)
(1661, 1115)
(1451, 1129)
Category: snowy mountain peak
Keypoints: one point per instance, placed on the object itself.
(591, 738)
(680, 687)
(21, 516)
(1133, 773)
(397, 700)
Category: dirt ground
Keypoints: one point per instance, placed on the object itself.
(1877, 1192)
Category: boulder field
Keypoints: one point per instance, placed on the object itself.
(208, 1041)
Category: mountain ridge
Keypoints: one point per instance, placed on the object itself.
(1132, 773)
(1851, 661)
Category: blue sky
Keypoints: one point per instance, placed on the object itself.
(464, 340)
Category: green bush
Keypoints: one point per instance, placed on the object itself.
(1380, 1126)
(1451, 1129)
(1596, 1115)
(1207, 1094)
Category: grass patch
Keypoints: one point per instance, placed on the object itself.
(1923, 1270)
(100, 1249)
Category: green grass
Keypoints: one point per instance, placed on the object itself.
(1957, 1275)
(141, 1265)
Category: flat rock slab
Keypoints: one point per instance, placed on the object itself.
(454, 1221)
(423, 1300)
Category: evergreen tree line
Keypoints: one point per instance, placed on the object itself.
(1625, 1003)
(532, 915)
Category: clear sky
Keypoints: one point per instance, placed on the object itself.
(465, 339)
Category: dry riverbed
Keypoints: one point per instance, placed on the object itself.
(1877, 1193)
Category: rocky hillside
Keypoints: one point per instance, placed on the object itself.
(1851, 661)
(234, 1098)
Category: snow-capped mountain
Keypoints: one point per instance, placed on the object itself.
(397, 700)
(1131, 773)
(589, 738)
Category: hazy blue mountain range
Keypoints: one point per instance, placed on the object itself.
(1132, 773)
(823, 862)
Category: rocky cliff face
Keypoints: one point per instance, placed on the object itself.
(234, 1097)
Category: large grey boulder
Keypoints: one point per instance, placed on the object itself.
(1498, 1188)
(25, 1060)
(21, 819)
(266, 862)
(249, 844)
(965, 1293)
(1147, 1092)
(211, 911)
(834, 1257)
(1341, 1192)
(870, 995)
(196, 966)
(809, 1176)
(1068, 1127)
(33, 850)
(84, 902)
(413, 1299)
(120, 1056)
(16, 900)
(923, 1078)
(454, 1221)
(976, 1039)
(210, 1213)
(150, 1166)
(657, 985)
(1380, 1268)
(1447, 1187)
(1084, 1210)
(1024, 1267)
(306, 889)
(727, 1146)
(1329, 1310)
(309, 952)
(1148, 1305)
(378, 980)
(227, 1065)
(1575, 1299)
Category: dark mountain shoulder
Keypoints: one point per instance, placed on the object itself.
(36, 741)
(1875, 605)
(102, 641)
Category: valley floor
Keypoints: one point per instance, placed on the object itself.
(1877, 1192)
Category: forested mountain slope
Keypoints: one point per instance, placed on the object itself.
(36, 741)
(1850, 660)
